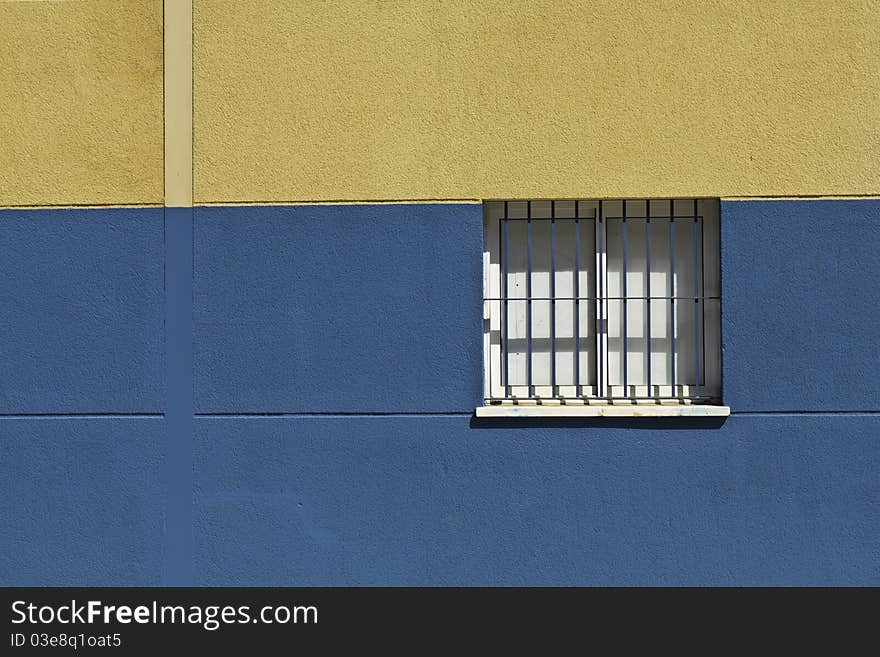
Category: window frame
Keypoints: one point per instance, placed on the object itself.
(636, 399)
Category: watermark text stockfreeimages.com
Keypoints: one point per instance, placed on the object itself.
(210, 617)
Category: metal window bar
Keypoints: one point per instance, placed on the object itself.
(696, 392)
(648, 351)
(671, 328)
(696, 301)
(624, 353)
(505, 221)
(602, 319)
(529, 299)
(702, 324)
(631, 297)
(553, 389)
(576, 275)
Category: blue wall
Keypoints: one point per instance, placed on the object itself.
(437, 500)
(82, 389)
(801, 313)
(336, 361)
(82, 501)
(81, 311)
(338, 308)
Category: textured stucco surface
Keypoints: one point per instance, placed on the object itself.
(81, 310)
(81, 102)
(439, 501)
(82, 501)
(392, 327)
(462, 99)
(800, 325)
(372, 308)
(782, 492)
(316, 461)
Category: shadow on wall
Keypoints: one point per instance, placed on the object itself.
(646, 424)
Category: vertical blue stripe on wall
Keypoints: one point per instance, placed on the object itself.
(179, 410)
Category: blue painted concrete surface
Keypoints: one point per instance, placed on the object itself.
(81, 501)
(801, 325)
(433, 501)
(178, 481)
(372, 308)
(337, 313)
(81, 311)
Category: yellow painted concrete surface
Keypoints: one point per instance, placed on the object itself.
(81, 102)
(298, 100)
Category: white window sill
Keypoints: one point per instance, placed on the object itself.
(604, 410)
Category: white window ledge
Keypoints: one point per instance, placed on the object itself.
(604, 410)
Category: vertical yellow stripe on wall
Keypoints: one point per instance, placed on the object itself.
(178, 103)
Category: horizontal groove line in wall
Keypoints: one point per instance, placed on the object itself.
(86, 416)
(470, 413)
(72, 206)
(800, 197)
(82, 206)
(27, 416)
(732, 412)
(398, 201)
(336, 414)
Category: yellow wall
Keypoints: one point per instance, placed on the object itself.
(81, 102)
(301, 100)
(298, 100)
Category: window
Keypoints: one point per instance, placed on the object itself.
(603, 302)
